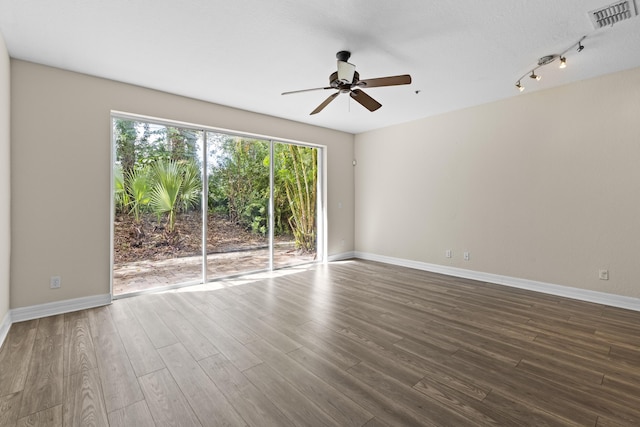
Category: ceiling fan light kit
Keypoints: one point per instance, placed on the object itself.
(345, 69)
(347, 80)
(346, 72)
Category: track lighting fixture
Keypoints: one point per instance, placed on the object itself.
(548, 59)
(563, 62)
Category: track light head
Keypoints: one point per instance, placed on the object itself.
(534, 76)
(519, 86)
(580, 47)
(563, 62)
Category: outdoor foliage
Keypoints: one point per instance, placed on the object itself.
(298, 174)
(239, 181)
(158, 171)
(121, 194)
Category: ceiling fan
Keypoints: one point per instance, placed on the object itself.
(347, 80)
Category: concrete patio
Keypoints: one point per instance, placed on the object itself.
(145, 275)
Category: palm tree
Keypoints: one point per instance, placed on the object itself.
(139, 188)
(191, 190)
(166, 190)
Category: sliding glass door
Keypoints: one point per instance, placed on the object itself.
(295, 198)
(194, 205)
(157, 225)
(238, 214)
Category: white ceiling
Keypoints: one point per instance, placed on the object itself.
(244, 53)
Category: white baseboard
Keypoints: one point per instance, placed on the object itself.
(58, 307)
(532, 285)
(4, 327)
(341, 256)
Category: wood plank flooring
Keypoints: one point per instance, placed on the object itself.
(351, 343)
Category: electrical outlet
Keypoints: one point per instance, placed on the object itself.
(467, 256)
(55, 282)
(603, 274)
(447, 253)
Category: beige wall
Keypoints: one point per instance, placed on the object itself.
(5, 175)
(544, 186)
(61, 172)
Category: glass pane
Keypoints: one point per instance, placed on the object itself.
(158, 220)
(295, 204)
(238, 211)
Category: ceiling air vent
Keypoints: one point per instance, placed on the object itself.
(612, 14)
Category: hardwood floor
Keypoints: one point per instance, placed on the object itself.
(352, 343)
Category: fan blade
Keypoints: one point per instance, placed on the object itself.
(404, 79)
(325, 103)
(307, 90)
(365, 100)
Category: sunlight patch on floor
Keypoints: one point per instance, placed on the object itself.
(244, 280)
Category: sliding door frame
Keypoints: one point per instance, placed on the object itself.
(321, 197)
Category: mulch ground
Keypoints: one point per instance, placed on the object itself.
(150, 240)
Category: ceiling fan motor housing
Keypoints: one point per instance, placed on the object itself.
(343, 55)
(342, 85)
